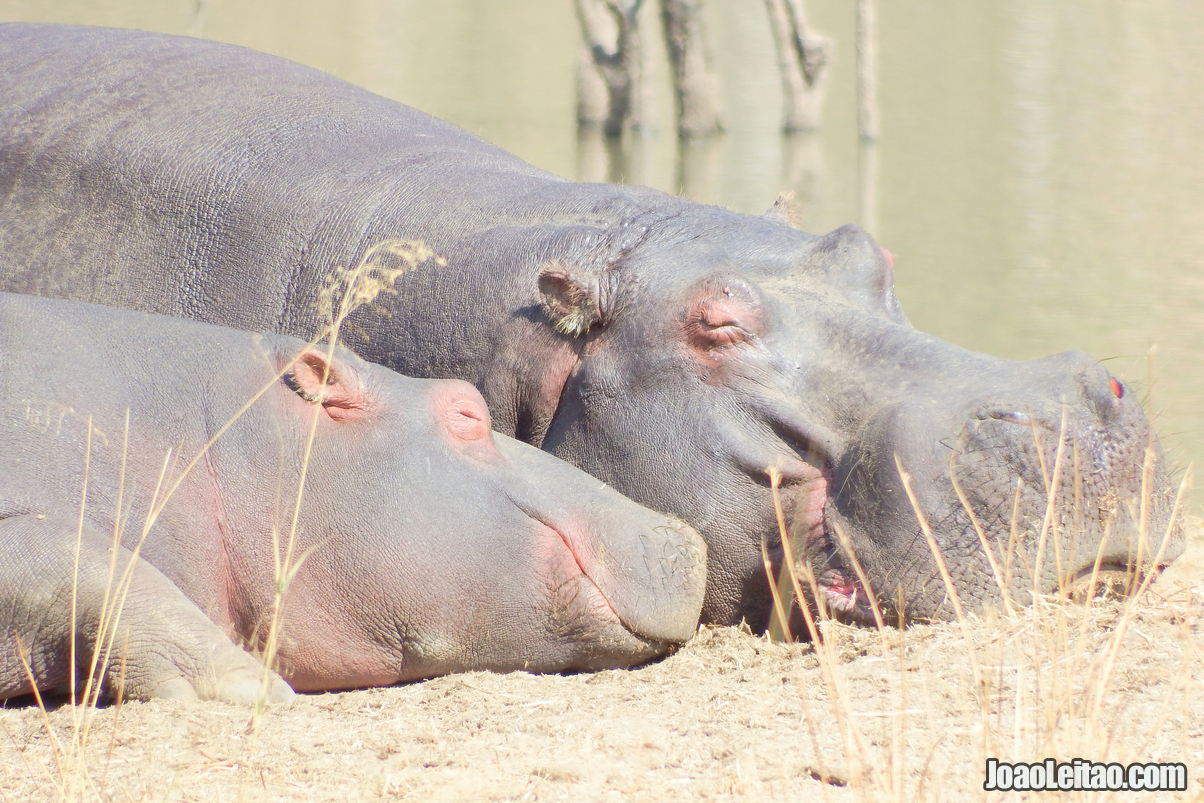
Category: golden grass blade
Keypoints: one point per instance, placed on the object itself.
(996, 571)
(1051, 502)
(779, 621)
(55, 744)
(79, 537)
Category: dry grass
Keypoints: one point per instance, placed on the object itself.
(731, 714)
(346, 290)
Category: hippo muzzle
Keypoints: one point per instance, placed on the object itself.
(609, 563)
(1028, 479)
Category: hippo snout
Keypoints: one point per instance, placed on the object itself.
(644, 570)
(1037, 476)
(652, 578)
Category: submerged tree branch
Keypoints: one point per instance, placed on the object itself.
(803, 57)
(695, 90)
(867, 70)
(612, 48)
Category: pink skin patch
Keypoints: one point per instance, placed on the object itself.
(1118, 389)
(838, 584)
(466, 419)
(558, 365)
(343, 409)
(889, 257)
(842, 591)
(809, 508)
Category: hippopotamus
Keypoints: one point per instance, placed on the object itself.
(690, 356)
(423, 542)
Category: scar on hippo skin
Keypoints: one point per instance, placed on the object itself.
(50, 418)
(333, 385)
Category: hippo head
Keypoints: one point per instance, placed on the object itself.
(717, 350)
(439, 545)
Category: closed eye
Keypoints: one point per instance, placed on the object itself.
(722, 315)
(724, 334)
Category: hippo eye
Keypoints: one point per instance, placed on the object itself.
(715, 325)
(710, 334)
(725, 334)
(466, 420)
(722, 313)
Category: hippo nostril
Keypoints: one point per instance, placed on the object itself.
(461, 411)
(465, 419)
(1010, 416)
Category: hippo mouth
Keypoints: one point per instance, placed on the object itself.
(842, 594)
(582, 612)
(846, 598)
(591, 600)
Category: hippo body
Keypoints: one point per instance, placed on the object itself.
(430, 544)
(680, 352)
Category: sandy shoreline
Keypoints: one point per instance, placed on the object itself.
(731, 715)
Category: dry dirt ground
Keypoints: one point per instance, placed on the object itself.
(868, 715)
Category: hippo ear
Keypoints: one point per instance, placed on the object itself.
(571, 299)
(330, 383)
(785, 210)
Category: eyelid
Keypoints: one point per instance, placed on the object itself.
(716, 318)
(718, 321)
(726, 334)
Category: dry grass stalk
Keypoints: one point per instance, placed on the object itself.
(1059, 686)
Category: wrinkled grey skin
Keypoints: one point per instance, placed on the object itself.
(674, 350)
(432, 544)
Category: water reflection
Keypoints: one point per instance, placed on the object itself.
(867, 185)
(699, 166)
(803, 168)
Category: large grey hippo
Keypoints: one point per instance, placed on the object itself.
(676, 351)
(427, 543)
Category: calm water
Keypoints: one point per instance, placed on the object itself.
(1039, 175)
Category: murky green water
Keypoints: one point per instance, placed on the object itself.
(1039, 174)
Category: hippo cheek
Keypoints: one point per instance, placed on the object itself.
(744, 538)
(324, 652)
